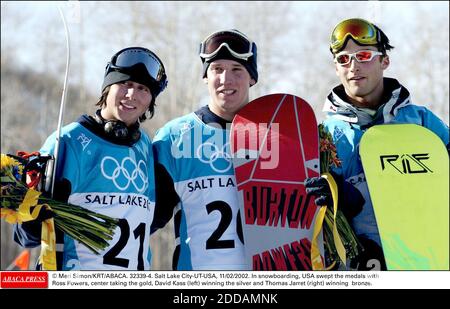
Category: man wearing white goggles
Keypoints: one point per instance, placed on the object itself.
(363, 99)
(193, 152)
(229, 44)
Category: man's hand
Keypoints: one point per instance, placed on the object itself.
(350, 200)
(319, 187)
(44, 214)
(28, 234)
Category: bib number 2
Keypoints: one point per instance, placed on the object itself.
(226, 216)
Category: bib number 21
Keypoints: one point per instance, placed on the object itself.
(111, 258)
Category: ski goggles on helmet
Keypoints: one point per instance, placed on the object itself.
(360, 56)
(127, 58)
(360, 30)
(236, 42)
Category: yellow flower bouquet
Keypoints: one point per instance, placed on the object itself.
(20, 202)
(328, 158)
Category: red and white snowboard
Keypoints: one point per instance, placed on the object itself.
(275, 146)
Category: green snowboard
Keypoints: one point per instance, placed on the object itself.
(407, 171)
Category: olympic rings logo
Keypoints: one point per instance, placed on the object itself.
(139, 172)
(213, 155)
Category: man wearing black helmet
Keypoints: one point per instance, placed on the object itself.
(363, 99)
(193, 155)
(106, 165)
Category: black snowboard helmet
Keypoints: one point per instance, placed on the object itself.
(140, 65)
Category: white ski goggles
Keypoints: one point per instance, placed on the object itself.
(237, 44)
(360, 56)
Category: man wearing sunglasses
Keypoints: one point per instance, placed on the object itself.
(363, 99)
(106, 166)
(193, 152)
